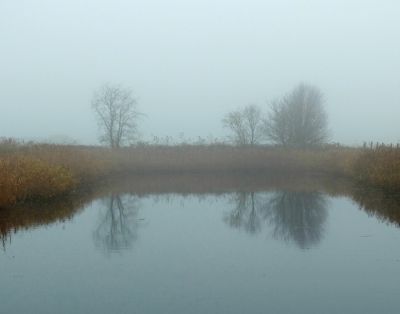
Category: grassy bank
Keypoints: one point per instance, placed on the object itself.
(379, 167)
(41, 172)
(29, 215)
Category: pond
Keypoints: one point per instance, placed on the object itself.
(236, 250)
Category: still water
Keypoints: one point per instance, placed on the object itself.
(271, 251)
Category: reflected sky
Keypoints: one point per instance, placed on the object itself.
(245, 252)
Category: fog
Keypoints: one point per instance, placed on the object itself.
(190, 62)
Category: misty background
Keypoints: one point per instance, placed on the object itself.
(190, 62)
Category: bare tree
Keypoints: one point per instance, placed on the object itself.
(245, 125)
(299, 118)
(116, 113)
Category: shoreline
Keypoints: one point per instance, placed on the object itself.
(41, 173)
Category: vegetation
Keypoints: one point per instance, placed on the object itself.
(115, 110)
(297, 190)
(298, 119)
(33, 172)
(379, 167)
(245, 125)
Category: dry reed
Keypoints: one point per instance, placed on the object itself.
(42, 172)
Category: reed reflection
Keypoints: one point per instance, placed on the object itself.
(297, 217)
(293, 214)
(118, 225)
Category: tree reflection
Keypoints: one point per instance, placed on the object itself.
(245, 214)
(294, 216)
(118, 225)
(297, 216)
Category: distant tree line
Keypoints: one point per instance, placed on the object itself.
(298, 119)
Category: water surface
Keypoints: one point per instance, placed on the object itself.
(272, 251)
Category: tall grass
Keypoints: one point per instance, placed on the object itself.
(42, 172)
(24, 216)
(379, 167)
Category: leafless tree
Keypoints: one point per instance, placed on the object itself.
(299, 118)
(115, 109)
(245, 125)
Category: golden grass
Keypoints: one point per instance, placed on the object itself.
(23, 216)
(379, 167)
(42, 172)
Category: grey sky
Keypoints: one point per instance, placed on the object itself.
(189, 62)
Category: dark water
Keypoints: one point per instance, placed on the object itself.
(278, 251)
